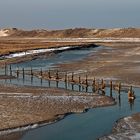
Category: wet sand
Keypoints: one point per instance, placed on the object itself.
(21, 106)
(120, 62)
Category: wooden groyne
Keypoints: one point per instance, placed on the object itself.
(68, 78)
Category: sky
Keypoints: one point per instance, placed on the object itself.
(62, 14)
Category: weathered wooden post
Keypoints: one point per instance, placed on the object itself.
(94, 81)
(119, 87)
(5, 67)
(93, 85)
(72, 77)
(57, 75)
(97, 87)
(103, 84)
(49, 74)
(111, 88)
(119, 99)
(17, 72)
(31, 71)
(23, 73)
(86, 81)
(10, 70)
(79, 80)
(65, 77)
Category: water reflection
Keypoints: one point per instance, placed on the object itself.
(131, 102)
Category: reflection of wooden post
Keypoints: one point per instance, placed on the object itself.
(79, 88)
(10, 70)
(110, 88)
(72, 86)
(86, 88)
(66, 85)
(57, 83)
(49, 84)
(31, 79)
(41, 73)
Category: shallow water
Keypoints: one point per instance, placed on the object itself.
(86, 126)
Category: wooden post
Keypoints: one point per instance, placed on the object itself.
(5, 69)
(31, 72)
(57, 75)
(72, 77)
(111, 88)
(23, 73)
(94, 80)
(119, 86)
(103, 84)
(86, 81)
(97, 87)
(93, 84)
(119, 99)
(79, 79)
(10, 70)
(17, 72)
(49, 74)
(66, 77)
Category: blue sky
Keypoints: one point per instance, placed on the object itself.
(59, 14)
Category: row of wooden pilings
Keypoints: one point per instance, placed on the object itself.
(97, 85)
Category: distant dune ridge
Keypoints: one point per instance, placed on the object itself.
(72, 33)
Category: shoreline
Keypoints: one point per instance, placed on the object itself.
(125, 128)
(44, 123)
(79, 103)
